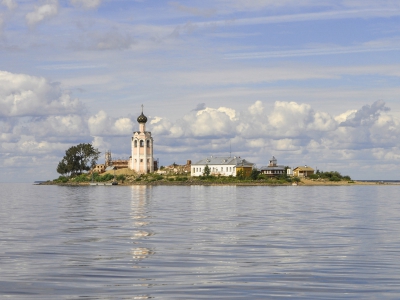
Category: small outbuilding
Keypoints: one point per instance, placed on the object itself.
(304, 171)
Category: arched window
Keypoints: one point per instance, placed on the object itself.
(135, 143)
(141, 143)
(148, 143)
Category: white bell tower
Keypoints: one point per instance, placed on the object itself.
(142, 148)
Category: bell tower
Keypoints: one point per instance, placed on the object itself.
(142, 148)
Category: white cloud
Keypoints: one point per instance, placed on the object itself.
(42, 12)
(10, 4)
(86, 3)
(24, 95)
(99, 143)
(103, 125)
(60, 127)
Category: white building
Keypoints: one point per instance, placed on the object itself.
(222, 166)
(142, 148)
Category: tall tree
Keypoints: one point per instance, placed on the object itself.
(77, 159)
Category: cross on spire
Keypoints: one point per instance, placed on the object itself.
(142, 108)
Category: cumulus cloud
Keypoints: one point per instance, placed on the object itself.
(10, 4)
(42, 12)
(103, 125)
(24, 95)
(294, 132)
(366, 116)
(54, 127)
(86, 3)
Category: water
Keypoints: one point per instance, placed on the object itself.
(199, 242)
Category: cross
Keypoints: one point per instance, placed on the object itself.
(142, 108)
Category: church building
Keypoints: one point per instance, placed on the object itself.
(142, 148)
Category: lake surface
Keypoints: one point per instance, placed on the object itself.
(199, 242)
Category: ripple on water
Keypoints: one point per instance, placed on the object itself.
(199, 242)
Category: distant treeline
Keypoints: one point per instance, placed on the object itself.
(331, 176)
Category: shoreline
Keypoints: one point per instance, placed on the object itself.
(303, 182)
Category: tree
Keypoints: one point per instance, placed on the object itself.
(62, 167)
(207, 171)
(254, 174)
(240, 174)
(77, 159)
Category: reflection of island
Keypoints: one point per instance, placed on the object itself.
(140, 196)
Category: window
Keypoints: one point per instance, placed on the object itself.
(141, 160)
(141, 143)
(194, 170)
(148, 144)
(135, 143)
(222, 169)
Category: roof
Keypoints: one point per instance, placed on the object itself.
(304, 168)
(272, 168)
(110, 168)
(236, 161)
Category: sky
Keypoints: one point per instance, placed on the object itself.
(311, 82)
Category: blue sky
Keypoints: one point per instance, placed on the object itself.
(310, 82)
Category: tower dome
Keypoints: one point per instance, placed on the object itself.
(142, 118)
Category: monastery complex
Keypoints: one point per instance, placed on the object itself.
(142, 161)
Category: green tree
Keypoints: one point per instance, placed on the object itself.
(207, 171)
(240, 174)
(77, 159)
(254, 174)
(62, 167)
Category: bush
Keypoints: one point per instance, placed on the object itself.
(105, 177)
(254, 174)
(158, 177)
(121, 178)
(61, 179)
(81, 178)
(296, 179)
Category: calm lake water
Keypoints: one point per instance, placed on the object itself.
(199, 242)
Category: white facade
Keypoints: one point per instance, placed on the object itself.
(142, 148)
(223, 170)
(219, 166)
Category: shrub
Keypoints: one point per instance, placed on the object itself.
(121, 177)
(81, 178)
(254, 174)
(158, 177)
(61, 179)
(105, 177)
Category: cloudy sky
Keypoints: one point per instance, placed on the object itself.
(312, 82)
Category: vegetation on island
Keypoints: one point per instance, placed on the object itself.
(331, 176)
(80, 159)
(77, 160)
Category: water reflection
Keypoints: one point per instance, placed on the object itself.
(140, 197)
